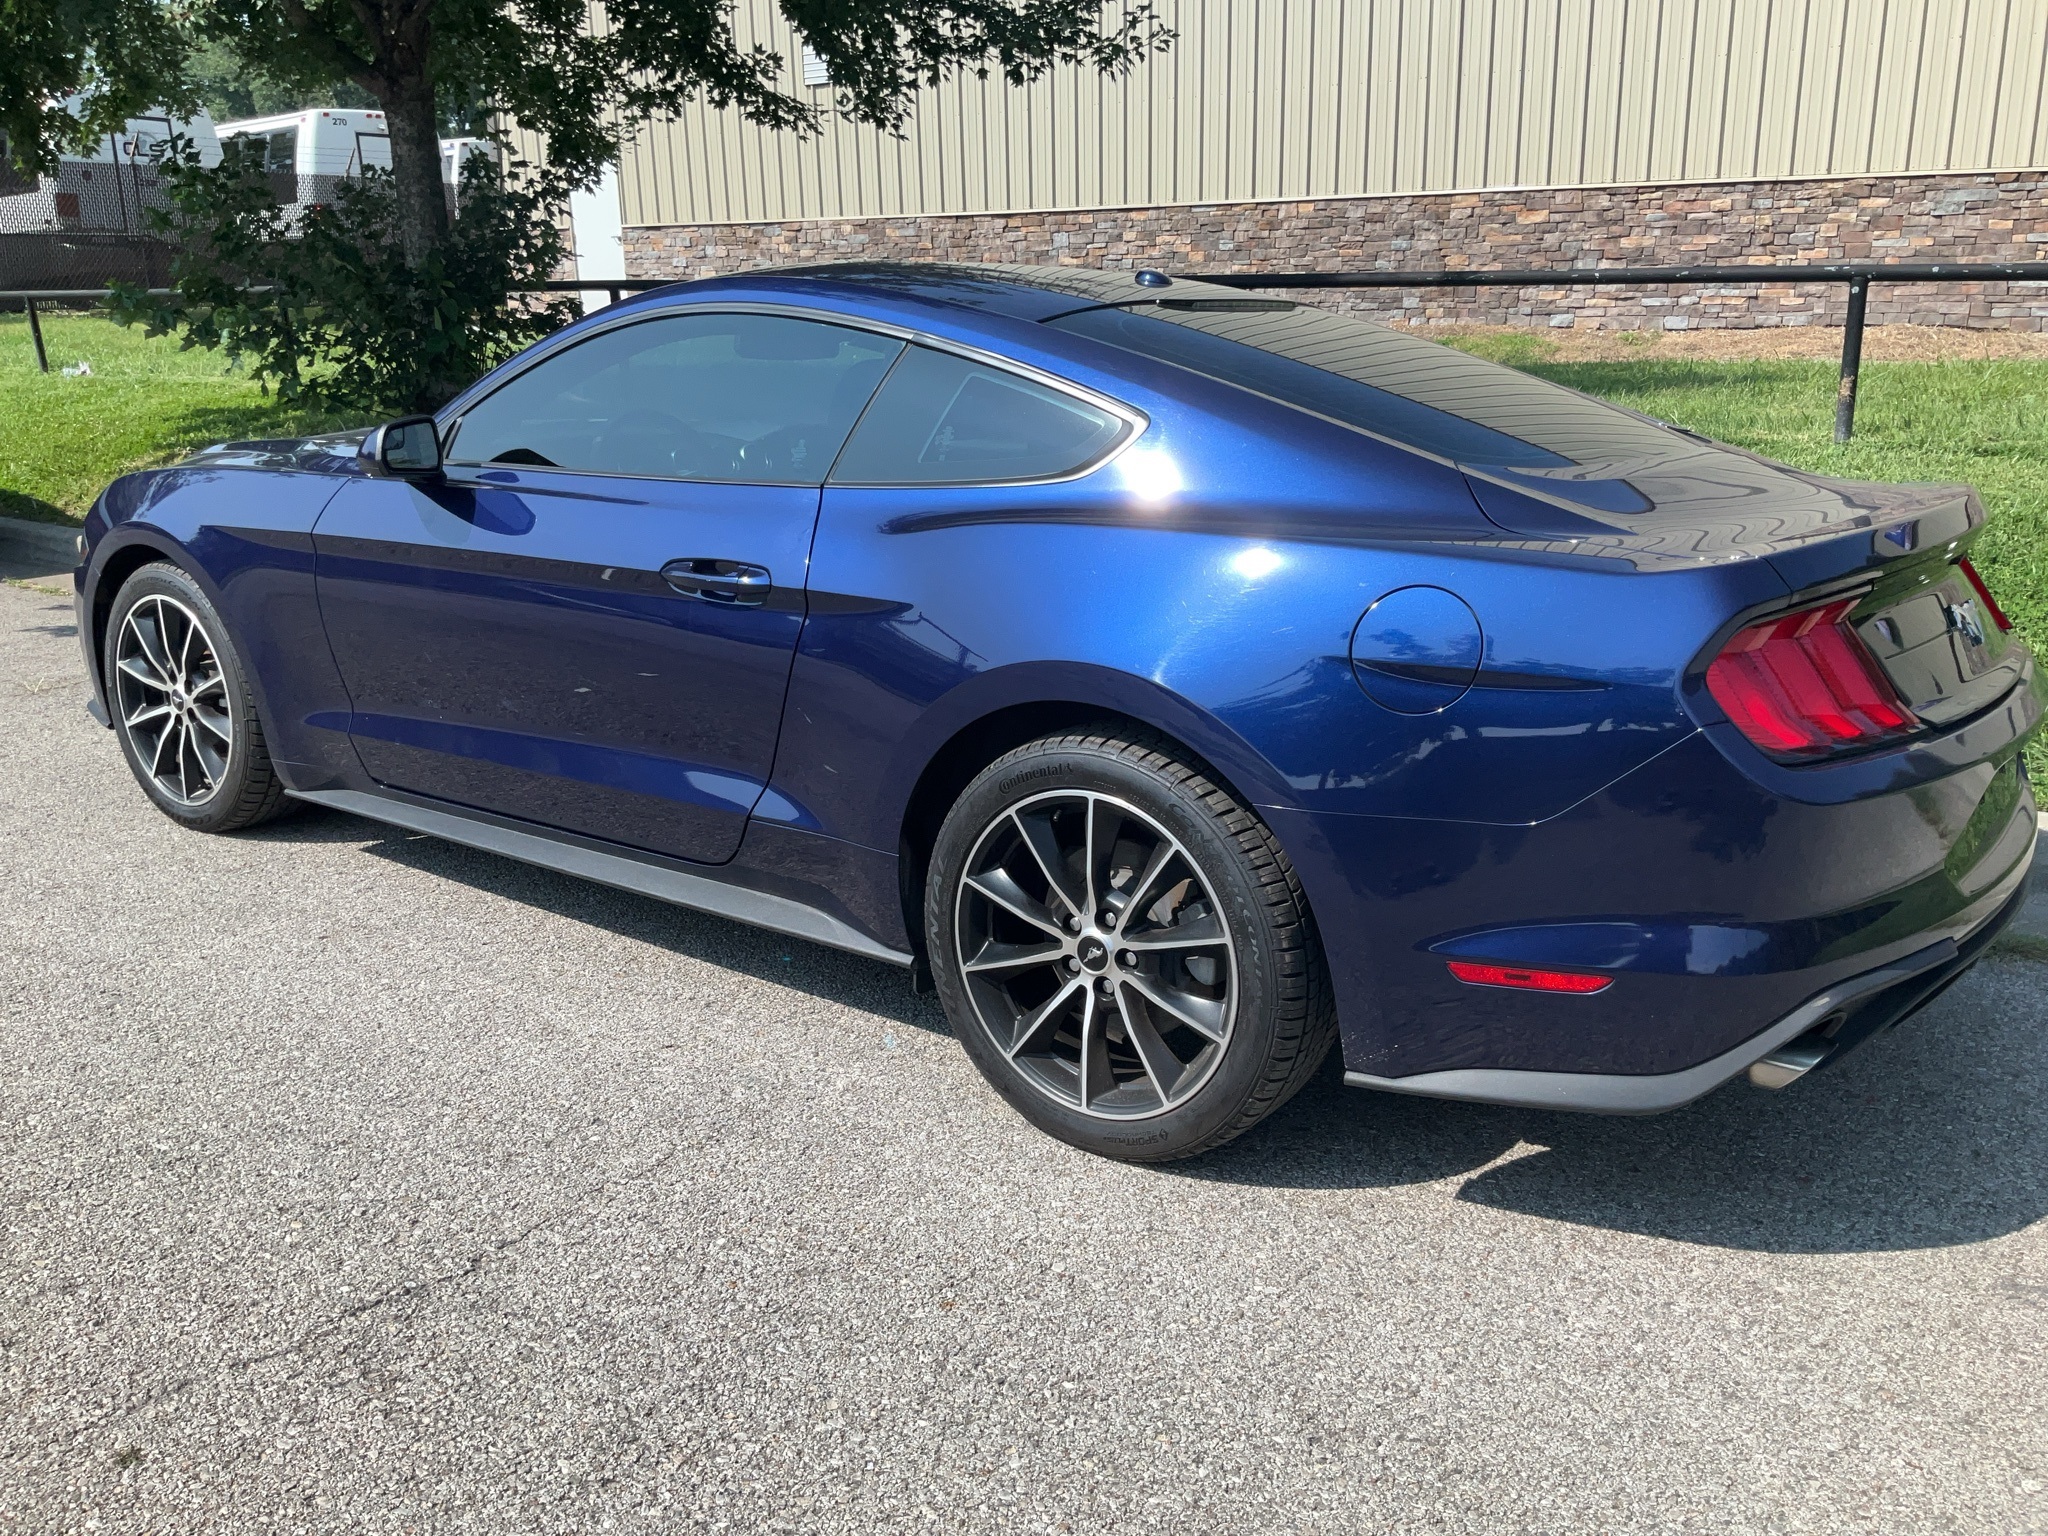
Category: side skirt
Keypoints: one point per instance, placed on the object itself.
(700, 893)
(1648, 1094)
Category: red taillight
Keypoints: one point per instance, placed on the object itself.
(1476, 974)
(1990, 603)
(1804, 684)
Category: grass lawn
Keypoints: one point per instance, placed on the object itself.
(1985, 422)
(146, 402)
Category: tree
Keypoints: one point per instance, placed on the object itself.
(229, 88)
(120, 56)
(573, 70)
(321, 304)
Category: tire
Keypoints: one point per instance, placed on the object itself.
(1189, 1005)
(180, 700)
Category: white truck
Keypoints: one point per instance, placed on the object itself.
(84, 223)
(319, 147)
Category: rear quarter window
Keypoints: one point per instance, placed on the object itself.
(945, 420)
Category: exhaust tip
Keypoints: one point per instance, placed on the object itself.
(1790, 1061)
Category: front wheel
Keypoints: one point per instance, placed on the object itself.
(182, 706)
(1123, 948)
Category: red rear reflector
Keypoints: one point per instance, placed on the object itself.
(1476, 974)
(1990, 603)
(1804, 684)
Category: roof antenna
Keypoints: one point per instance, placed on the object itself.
(1151, 277)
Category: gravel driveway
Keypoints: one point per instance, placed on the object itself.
(354, 1181)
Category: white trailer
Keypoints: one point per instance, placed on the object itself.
(455, 153)
(104, 190)
(320, 141)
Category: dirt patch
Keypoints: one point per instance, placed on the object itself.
(1881, 343)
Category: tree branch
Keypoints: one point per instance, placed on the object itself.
(323, 40)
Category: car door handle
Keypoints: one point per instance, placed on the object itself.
(729, 583)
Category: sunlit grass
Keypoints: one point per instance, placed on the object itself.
(145, 402)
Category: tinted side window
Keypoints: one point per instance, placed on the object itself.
(942, 419)
(689, 397)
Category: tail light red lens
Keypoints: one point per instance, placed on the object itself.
(1473, 973)
(1990, 603)
(1804, 684)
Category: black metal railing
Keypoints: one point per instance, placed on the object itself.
(1857, 276)
(1854, 275)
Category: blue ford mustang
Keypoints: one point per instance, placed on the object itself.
(1176, 680)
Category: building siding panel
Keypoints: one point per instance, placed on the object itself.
(1265, 100)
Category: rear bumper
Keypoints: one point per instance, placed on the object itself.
(1721, 907)
(1819, 1032)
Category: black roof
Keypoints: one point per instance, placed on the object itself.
(1014, 289)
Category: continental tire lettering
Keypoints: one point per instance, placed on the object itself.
(1017, 780)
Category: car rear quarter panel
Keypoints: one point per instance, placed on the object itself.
(1208, 580)
(1222, 614)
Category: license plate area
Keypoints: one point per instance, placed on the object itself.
(1940, 648)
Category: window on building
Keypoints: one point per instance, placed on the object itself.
(815, 70)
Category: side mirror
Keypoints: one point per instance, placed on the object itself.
(406, 449)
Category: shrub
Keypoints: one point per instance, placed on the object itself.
(321, 303)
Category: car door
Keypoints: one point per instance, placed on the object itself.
(589, 623)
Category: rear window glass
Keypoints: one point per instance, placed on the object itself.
(1416, 392)
(941, 419)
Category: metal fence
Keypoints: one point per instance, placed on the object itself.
(1855, 276)
(84, 224)
(87, 223)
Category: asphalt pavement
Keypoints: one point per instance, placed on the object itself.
(353, 1181)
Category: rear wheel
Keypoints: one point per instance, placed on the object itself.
(182, 707)
(1123, 948)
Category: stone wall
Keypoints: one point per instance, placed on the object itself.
(1992, 217)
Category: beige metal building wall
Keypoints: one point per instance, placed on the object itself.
(1277, 99)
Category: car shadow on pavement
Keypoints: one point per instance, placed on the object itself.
(1932, 1136)
(831, 975)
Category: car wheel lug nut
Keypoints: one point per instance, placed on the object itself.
(1127, 960)
(1073, 962)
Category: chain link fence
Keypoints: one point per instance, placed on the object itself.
(87, 224)
(83, 225)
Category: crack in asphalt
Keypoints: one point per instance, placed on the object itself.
(404, 1290)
